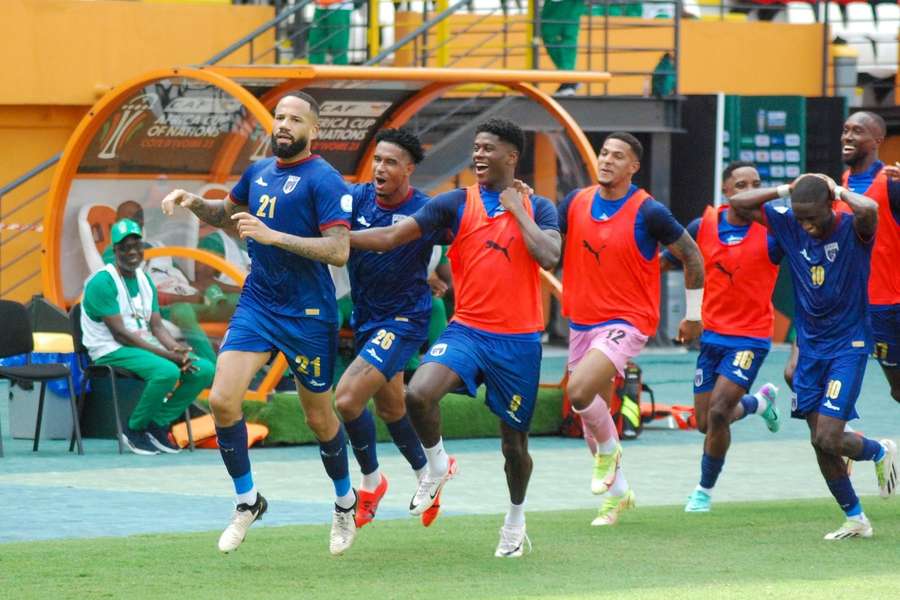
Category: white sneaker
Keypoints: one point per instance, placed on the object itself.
(850, 529)
(886, 470)
(512, 542)
(243, 517)
(429, 489)
(343, 530)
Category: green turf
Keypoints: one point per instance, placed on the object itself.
(745, 550)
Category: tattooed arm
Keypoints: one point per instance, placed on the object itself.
(215, 212)
(685, 250)
(333, 248)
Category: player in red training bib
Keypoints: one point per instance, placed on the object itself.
(740, 262)
(611, 295)
(500, 240)
(862, 135)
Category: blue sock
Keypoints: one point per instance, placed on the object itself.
(233, 448)
(750, 404)
(871, 450)
(710, 467)
(407, 441)
(361, 432)
(334, 457)
(842, 490)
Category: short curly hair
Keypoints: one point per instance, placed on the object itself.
(405, 139)
(507, 131)
(623, 136)
(734, 166)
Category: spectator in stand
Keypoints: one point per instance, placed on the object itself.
(330, 33)
(560, 23)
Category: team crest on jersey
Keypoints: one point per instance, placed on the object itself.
(438, 349)
(831, 251)
(397, 218)
(290, 184)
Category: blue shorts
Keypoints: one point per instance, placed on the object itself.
(387, 348)
(735, 364)
(509, 368)
(828, 385)
(309, 345)
(886, 331)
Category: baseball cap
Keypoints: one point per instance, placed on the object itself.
(123, 228)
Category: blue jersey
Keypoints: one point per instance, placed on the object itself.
(831, 278)
(301, 199)
(388, 285)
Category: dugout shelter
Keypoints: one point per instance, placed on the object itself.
(199, 128)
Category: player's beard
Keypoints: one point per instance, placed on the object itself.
(289, 151)
(854, 159)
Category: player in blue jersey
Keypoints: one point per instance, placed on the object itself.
(500, 237)
(294, 211)
(391, 310)
(741, 266)
(829, 253)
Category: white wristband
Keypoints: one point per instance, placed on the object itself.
(838, 190)
(693, 300)
(783, 190)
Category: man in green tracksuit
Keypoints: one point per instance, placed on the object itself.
(560, 22)
(122, 327)
(330, 33)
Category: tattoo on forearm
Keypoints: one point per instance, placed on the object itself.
(332, 248)
(214, 213)
(687, 252)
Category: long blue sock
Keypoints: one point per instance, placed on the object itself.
(750, 404)
(710, 467)
(407, 441)
(233, 448)
(842, 490)
(334, 457)
(361, 432)
(871, 450)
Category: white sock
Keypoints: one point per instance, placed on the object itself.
(438, 462)
(620, 485)
(347, 500)
(607, 447)
(707, 491)
(371, 481)
(248, 498)
(515, 516)
(761, 403)
(860, 517)
(420, 472)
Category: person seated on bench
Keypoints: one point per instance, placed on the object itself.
(122, 327)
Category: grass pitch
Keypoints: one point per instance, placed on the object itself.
(741, 550)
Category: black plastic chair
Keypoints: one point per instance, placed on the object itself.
(94, 371)
(16, 338)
